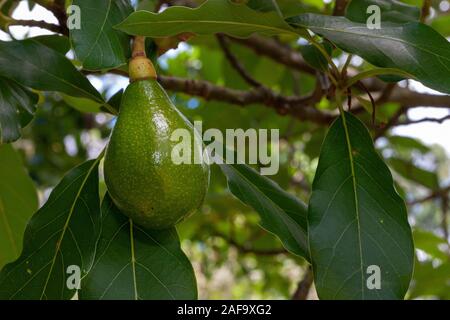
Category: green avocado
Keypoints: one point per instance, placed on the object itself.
(142, 179)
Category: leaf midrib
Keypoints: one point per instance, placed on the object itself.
(354, 183)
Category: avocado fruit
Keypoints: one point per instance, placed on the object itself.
(141, 177)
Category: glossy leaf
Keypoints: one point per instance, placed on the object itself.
(18, 201)
(97, 44)
(281, 213)
(42, 68)
(17, 107)
(61, 234)
(136, 264)
(409, 171)
(390, 10)
(210, 18)
(413, 47)
(55, 42)
(356, 219)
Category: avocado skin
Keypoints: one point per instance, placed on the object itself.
(140, 175)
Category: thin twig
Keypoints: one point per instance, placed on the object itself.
(436, 120)
(246, 249)
(235, 63)
(433, 195)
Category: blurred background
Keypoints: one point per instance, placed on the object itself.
(234, 258)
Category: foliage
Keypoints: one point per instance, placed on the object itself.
(334, 204)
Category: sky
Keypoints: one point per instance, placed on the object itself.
(429, 133)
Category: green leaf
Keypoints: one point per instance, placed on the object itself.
(442, 25)
(314, 57)
(413, 47)
(209, 18)
(404, 142)
(55, 42)
(62, 233)
(391, 10)
(18, 201)
(431, 280)
(281, 213)
(136, 264)
(82, 104)
(17, 107)
(411, 172)
(356, 219)
(97, 44)
(35, 65)
(431, 244)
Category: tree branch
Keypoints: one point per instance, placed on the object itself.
(272, 49)
(302, 291)
(235, 63)
(298, 107)
(339, 7)
(436, 120)
(40, 24)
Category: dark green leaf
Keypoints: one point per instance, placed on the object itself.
(136, 264)
(18, 201)
(37, 66)
(356, 219)
(442, 25)
(115, 100)
(281, 213)
(409, 171)
(55, 42)
(17, 107)
(413, 47)
(391, 10)
(97, 44)
(314, 57)
(62, 233)
(209, 18)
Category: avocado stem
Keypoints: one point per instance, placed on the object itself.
(140, 67)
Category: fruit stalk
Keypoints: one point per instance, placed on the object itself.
(140, 67)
